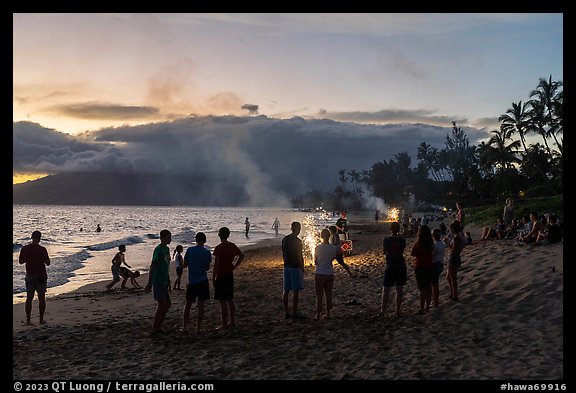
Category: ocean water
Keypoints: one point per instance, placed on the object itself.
(69, 234)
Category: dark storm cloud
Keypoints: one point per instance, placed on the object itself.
(272, 158)
(390, 115)
(39, 149)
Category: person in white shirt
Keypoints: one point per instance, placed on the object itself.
(324, 254)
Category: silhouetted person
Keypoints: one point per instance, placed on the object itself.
(36, 259)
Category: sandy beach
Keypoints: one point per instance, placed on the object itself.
(508, 324)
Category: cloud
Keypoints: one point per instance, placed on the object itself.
(105, 111)
(391, 116)
(38, 149)
(272, 159)
(251, 108)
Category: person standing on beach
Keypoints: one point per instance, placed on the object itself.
(395, 273)
(454, 259)
(227, 257)
(247, 223)
(98, 229)
(342, 226)
(460, 215)
(324, 255)
(508, 214)
(178, 262)
(276, 226)
(36, 259)
(159, 280)
(293, 269)
(422, 252)
(197, 260)
(117, 261)
(437, 265)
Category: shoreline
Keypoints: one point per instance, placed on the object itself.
(508, 325)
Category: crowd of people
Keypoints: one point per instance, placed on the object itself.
(427, 252)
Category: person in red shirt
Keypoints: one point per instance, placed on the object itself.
(422, 251)
(227, 257)
(36, 259)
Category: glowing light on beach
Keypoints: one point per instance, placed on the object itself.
(393, 214)
(311, 238)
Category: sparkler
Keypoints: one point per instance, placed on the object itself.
(310, 238)
(393, 214)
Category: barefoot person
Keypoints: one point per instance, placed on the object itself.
(227, 257)
(197, 260)
(293, 269)
(117, 262)
(36, 259)
(324, 254)
(455, 247)
(395, 274)
(159, 280)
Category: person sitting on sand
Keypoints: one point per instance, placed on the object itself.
(126, 274)
(395, 273)
(324, 254)
(552, 234)
(537, 226)
(495, 232)
(117, 261)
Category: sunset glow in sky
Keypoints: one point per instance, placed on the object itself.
(84, 72)
(75, 72)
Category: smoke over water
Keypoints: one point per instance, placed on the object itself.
(225, 160)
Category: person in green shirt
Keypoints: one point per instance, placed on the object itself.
(159, 280)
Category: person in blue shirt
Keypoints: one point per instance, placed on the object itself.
(197, 259)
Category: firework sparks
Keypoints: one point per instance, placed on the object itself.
(310, 238)
(393, 214)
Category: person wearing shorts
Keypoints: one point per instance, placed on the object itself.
(197, 259)
(159, 280)
(36, 258)
(293, 269)
(227, 257)
(395, 273)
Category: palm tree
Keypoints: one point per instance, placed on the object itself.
(504, 155)
(549, 97)
(343, 178)
(515, 120)
(428, 155)
(537, 121)
(354, 178)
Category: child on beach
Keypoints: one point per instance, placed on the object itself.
(159, 280)
(117, 261)
(324, 254)
(454, 259)
(227, 257)
(178, 262)
(437, 265)
(126, 274)
(395, 273)
(197, 260)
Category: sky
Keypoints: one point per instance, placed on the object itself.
(83, 74)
